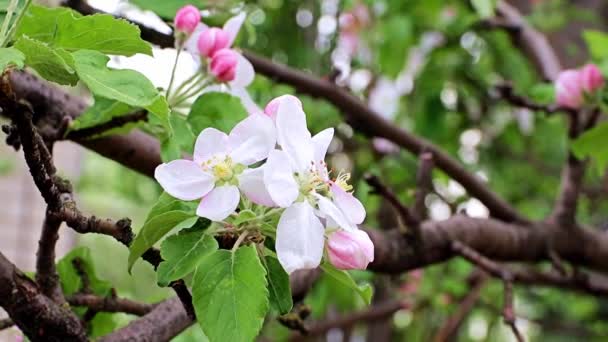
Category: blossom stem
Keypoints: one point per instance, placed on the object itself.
(190, 79)
(239, 241)
(191, 91)
(10, 11)
(179, 51)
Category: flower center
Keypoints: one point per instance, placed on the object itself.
(342, 181)
(223, 170)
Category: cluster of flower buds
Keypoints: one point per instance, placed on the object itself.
(574, 87)
(316, 210)
(212, 44)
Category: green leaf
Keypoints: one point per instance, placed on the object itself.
(55, 65)
(71, 282)
(230, 296)
(597, 43)
(364, 291)
(11, 57)
(183, 134)
(543, 93)
(167, 214)
(169, 149)
(64, 28)
(278, 285)
(167, 8)
(214, 109)
(484, 8)
(396, 36)
(243, 216)
(183, 252)
(593, 144)
(127, 86)
(103, 110)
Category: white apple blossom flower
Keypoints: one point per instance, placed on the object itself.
(219, 168)
(296, 178)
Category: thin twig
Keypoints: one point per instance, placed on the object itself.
(508, 312)
(115, 122)
(110, 304)
(46, 272)
(424, 184)
(506, 92)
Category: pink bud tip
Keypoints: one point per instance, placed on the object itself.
(273, 106)
(591, 78)
(223, 65)
(350, 250)
(212, 40)
(187, 18)
(568, 89)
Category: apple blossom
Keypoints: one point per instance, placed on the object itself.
(591, 78)
(296, 178)
(219, 168)
(187, 18)
(212, 40)
(273, 106)
(568, 89)
(223, 65)
(350, 250)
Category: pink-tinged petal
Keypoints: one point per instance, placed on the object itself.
(272, 107)
(350, 250)
(279, 179)
(209, 143)
(591, 78)
(251, 184)
(219, 203)
(187, 18)
(223, 65)
(300, 238)
(191, 44)
(293, 135)
(244, 73)
(349, 204)
(233, 26)
(568, 89)
(320, 143)
(252, 139)
(331, 211)
(211, 41)
(184, 179)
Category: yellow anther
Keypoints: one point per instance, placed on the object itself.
(342, 181)
(223, 170)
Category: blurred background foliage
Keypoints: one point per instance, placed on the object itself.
(449, 100)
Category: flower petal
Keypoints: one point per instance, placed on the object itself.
(184, 179)
(278, 177)
(348, 204)
(334, 214)
(293, 135)
(233, 25)
(320, 143)
(219, 203)
(209, 143)
(251, 184)
(300, 238)
(252, 139)
(191, 44)
(244, 73)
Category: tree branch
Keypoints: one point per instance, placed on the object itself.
(109, 304)
(424, 184)
(46, 272)
(36, 315)
(115, 122)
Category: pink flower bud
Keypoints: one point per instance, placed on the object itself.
(591, 78)
(350, 250)
(187, 18)
(212, 40)
(568, 89)
(273, 106)
(223, 65)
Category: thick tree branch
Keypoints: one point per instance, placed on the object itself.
(116, 122)
(36, 315)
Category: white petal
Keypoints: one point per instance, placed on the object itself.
(293, 135)
(219, 203)
(244, 73)
(300, 238)
(251, 184)
(233, 25)
(279, 179)
(252, 139)
(349, 204)
(331, 211)
(184, 179)
(320, 143)
(190, 45)
(209, 143)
